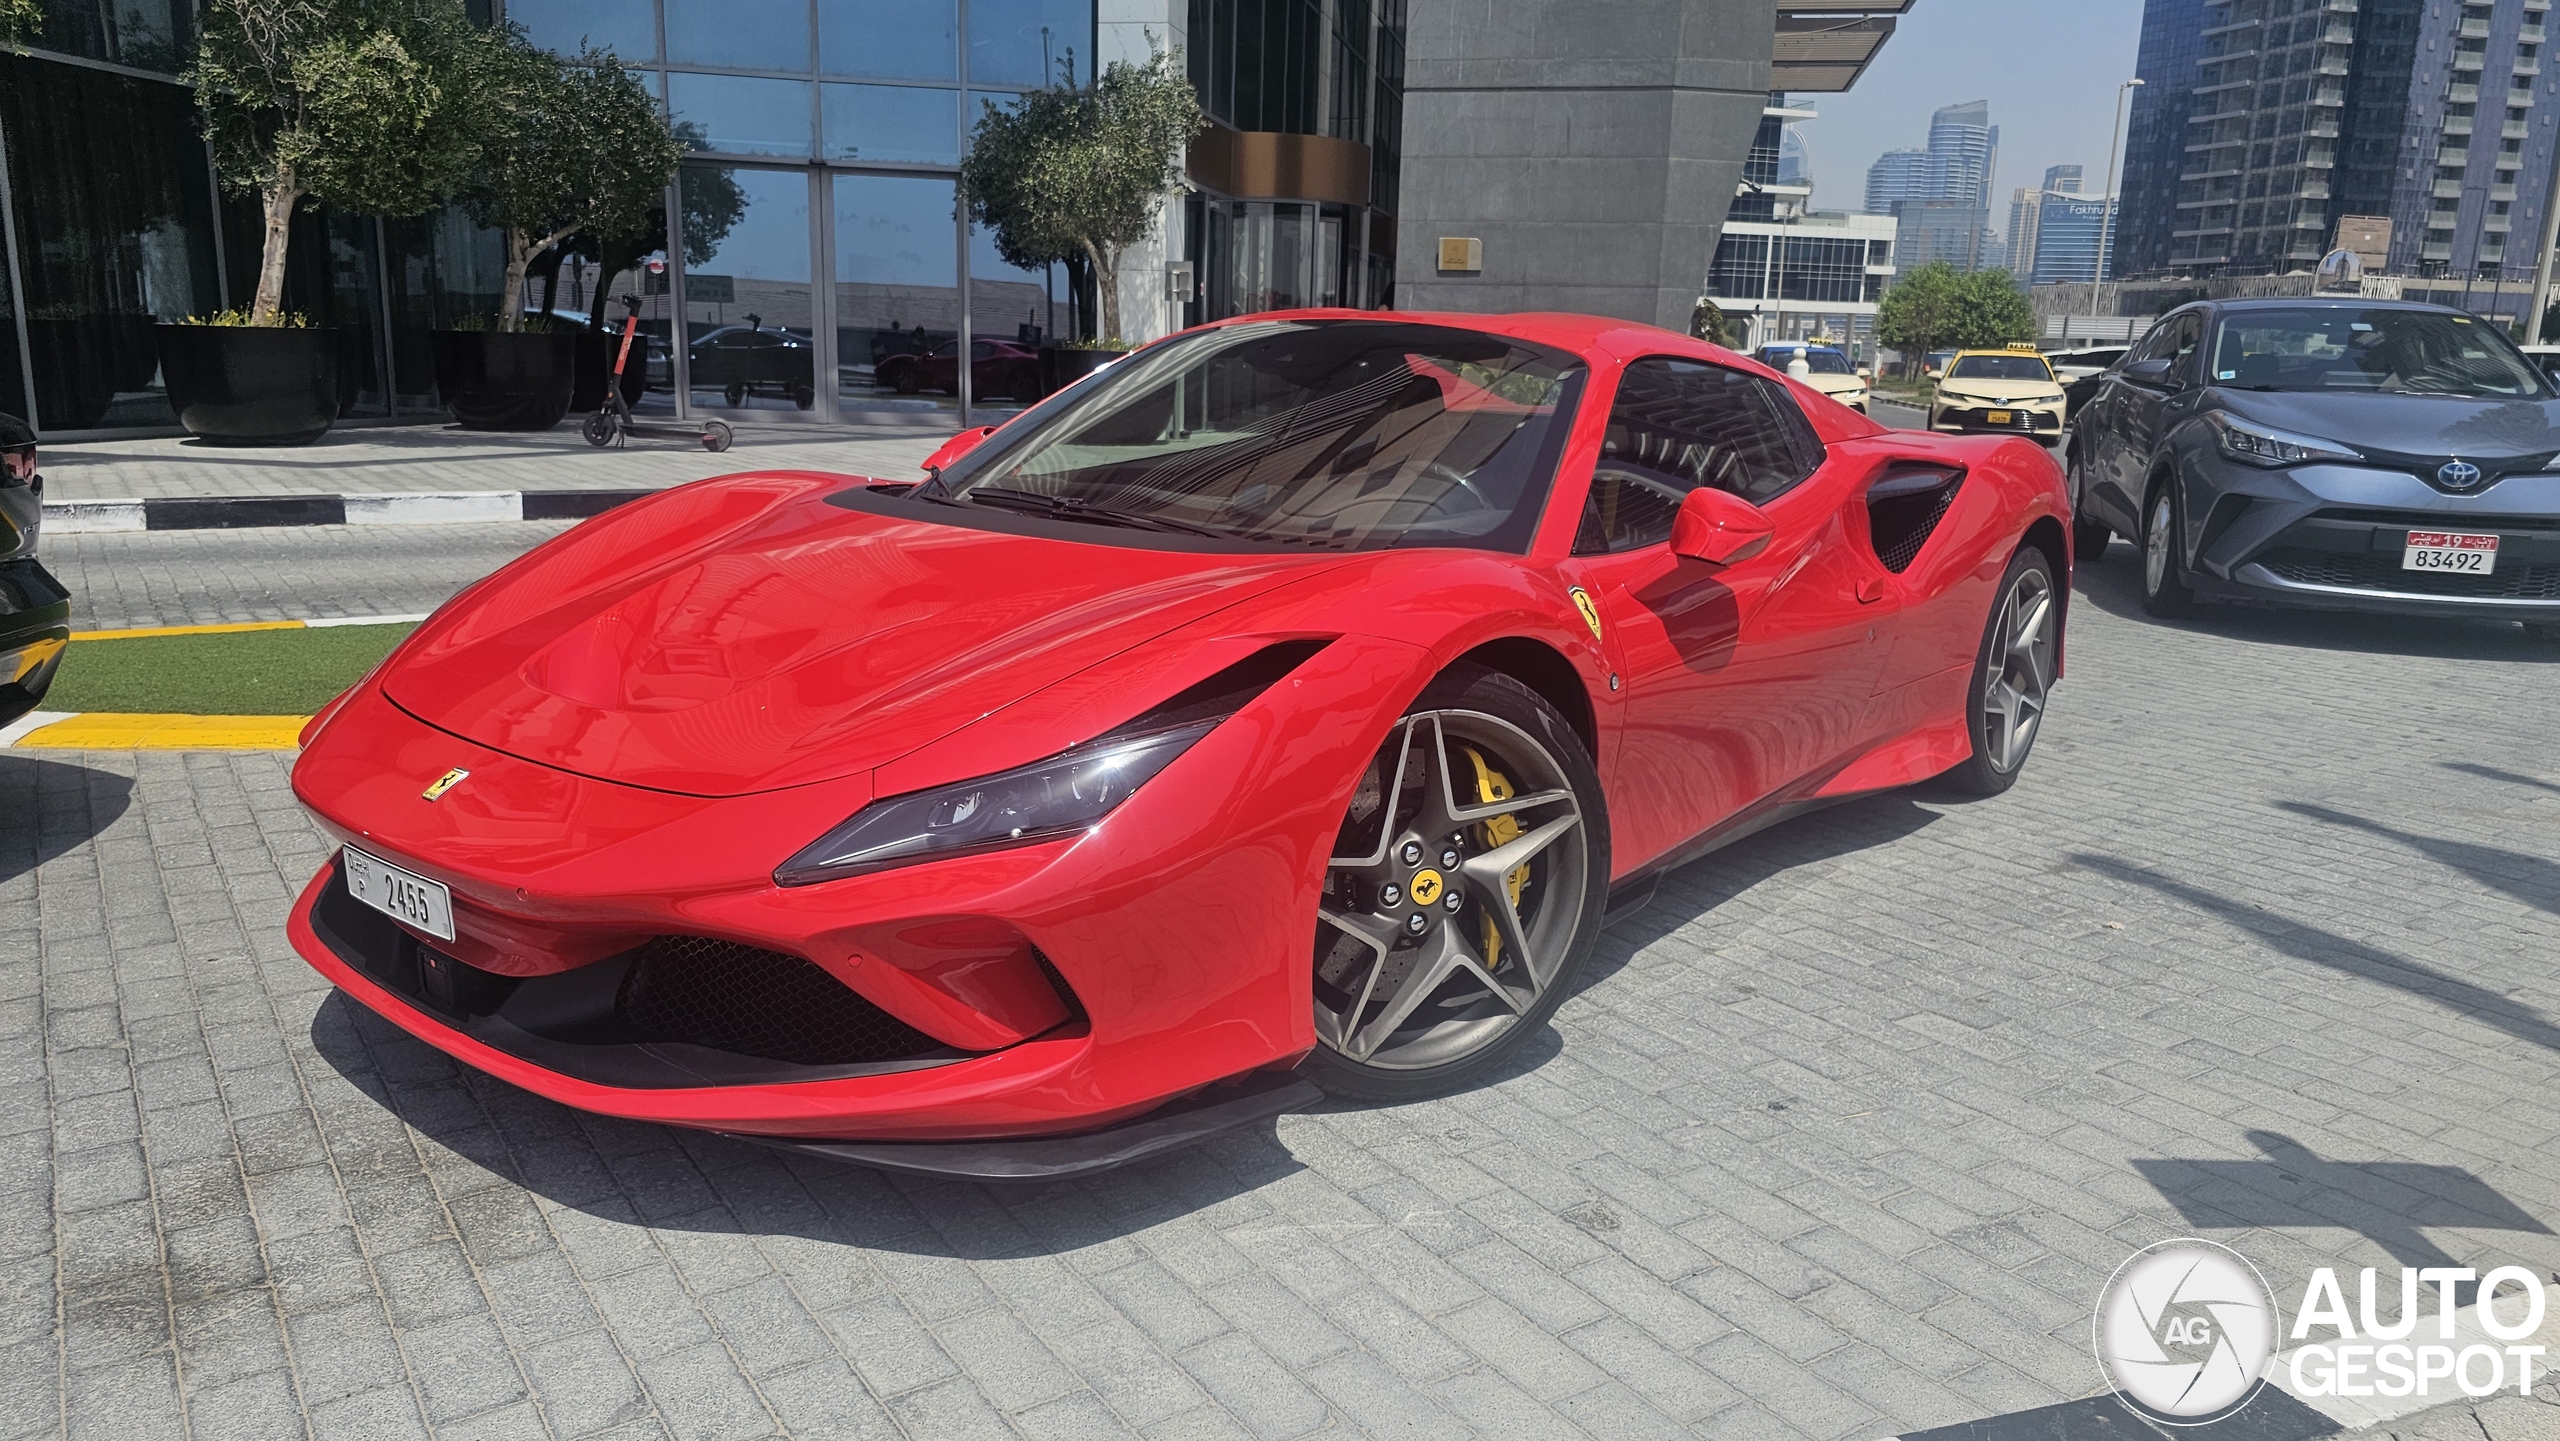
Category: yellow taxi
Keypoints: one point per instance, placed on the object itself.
(2011, 390)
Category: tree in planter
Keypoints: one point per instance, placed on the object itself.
(571, 146)
(367, 105)
(1938, 307)
(1078, 172)
(713, 205)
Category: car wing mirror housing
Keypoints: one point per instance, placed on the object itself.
(1719, 527)
(956, 447)
(2149, 372)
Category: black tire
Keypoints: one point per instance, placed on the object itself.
(1489, 999)
(903, 379)
(716, 436)
(598, 428)
(804, 396)
(1024, 384)
(2088, 536)
(735, 392)
(2165, 592)
(1998, 757)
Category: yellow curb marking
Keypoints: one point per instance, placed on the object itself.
(106, 731)
(148, 631)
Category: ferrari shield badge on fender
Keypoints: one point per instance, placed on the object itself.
(443, 783)
(1590, 612)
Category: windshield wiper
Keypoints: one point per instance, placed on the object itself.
(1063, 508)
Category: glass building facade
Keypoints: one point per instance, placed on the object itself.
(819, 198)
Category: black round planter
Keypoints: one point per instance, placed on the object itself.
(1062, 366)
(506, 382)
(596, 349)
(251, 385)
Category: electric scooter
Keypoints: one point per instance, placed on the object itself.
(613, 422)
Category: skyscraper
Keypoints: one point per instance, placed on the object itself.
(1942, 194)
(2275, 117)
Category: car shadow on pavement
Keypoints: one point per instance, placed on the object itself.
(2114, 584)
(1696, 890)
(39, 817)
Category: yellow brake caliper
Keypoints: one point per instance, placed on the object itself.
(1492, 785)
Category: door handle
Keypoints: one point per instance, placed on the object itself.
(1870, 591)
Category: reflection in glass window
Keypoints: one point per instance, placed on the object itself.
(739, 115)
(897, 270)
(892, 124)
(748, 310)
(747, 34)
(1023, 42)
(904, 39)
(1002, 299)
(628, 28)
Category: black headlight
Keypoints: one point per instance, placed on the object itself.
(1063, 795)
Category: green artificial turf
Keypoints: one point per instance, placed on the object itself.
(254, 672)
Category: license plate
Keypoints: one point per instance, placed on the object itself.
(415, 900)
(2454, 551)
(2000, 417)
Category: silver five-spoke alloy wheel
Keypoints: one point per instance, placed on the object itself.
(1458, 899)
(2018, 670)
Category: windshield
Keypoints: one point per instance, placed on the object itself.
(1819, 362)
(1339, 435)
(2001, 367)
(2342, 347)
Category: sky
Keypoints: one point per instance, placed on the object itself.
(2049, 68)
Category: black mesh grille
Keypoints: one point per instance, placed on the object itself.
(758, 1003)
(2380, 570)
(1903, 511)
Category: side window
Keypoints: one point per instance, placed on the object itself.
(2156, 342)
(1680, 424)
(2182, 345)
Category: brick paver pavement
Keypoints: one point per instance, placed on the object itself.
(1839, 1138)
(414, 459)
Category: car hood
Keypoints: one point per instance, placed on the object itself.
(1831, 384)
(2423, 425)
(742, 634)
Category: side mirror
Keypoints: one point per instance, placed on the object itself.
(956, 447)
(1719, 527)
(2150, 372)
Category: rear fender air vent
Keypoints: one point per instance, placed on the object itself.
(1904, 508)
(1226, 692)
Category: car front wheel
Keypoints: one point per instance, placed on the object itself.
(1465, 893)
(2088, 537)
(2165, 592)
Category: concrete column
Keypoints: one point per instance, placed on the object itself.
(1592, 145)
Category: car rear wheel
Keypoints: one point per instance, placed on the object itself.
(1464, 895)
(2165, 591)
(2012, 677)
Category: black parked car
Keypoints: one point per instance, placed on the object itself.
(744, 360)
(35, 611)
(2340, 454)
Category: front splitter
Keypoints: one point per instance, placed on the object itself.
(1209, 1112)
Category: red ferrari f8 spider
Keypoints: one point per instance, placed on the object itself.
(1290, 701)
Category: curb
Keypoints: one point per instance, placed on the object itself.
(235, 627)
(106, 731)
(242, 512)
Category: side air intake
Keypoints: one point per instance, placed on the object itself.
(1904, 508)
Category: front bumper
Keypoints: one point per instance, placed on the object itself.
(35, 629)
(2330, 537)
(2037, 418)
(1037, 991)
